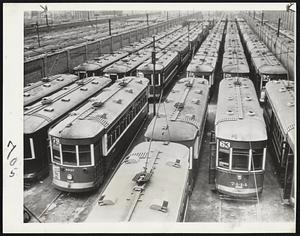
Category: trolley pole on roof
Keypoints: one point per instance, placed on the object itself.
(153, 78)
(109, 27)
(38, 33)
(278, 29)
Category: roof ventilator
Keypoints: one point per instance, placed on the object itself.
(26, 94)
(119, 101)
(251, 113)
(97, 104)
(65, 99)
(45, 79)
(47, 85)
(159, 205)
(103, 202)
(46, 100)
(49, 109)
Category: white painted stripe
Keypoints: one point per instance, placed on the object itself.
(264, 159)
(32, 149)
(92, 154)
(191, 158)
(51, 150)
(61, 156)
(238, 190)
(77, 155)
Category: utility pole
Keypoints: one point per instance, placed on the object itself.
(38, 33)
(167, 15)
(278, 29)
(153, 78)
(262, 17)
(109, 27)
(147, 19)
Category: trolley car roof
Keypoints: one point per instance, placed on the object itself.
(182, 113)
(101, 111)
(239, 116)
(42, 113)
(282, 99)
(167, 183)
(47, 85)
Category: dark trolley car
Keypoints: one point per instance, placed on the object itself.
(279, 112)
(41, 115)
(86, 143)
(48, 85)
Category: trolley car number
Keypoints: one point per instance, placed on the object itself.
(224, 144)
(56, 172)
(12, 160)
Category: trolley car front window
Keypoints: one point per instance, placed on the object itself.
(257, 157)
(223, 160)
(240, 159)
(84, 155)
(69, 155)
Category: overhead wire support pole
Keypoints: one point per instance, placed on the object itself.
(278, 30)
(109, 27)
(153, 79)
(262, 18)
(38, 33)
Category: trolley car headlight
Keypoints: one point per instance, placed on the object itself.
(239, 177)
(69, 177)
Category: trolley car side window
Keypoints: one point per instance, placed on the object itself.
(240, 159)
(84, 155)
(257, 157)
(69, 155)
(223, 160)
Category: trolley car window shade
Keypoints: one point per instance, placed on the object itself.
(223, 159)
(56, 155)
(84, 155)
(240, 159)
(69, 155)
(257, 157)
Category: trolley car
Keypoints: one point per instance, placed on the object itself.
(265, 65)
(181, 118)
(127, 66)
(238, 156)
(147, 187)
(41, 115)
(86, 144)
(48, 85)
(166, 68)
(279, 112)
(203, 64)
(96, 66)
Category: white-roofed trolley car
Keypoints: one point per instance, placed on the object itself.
(127, 66)
(234, 59)
(279, 112)
(203, 64)
(92, 138)
(238, 156)
(48, 85)
(151, 185)
(181, 118)
(265, 65)
(41, 115)
(97, 65)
